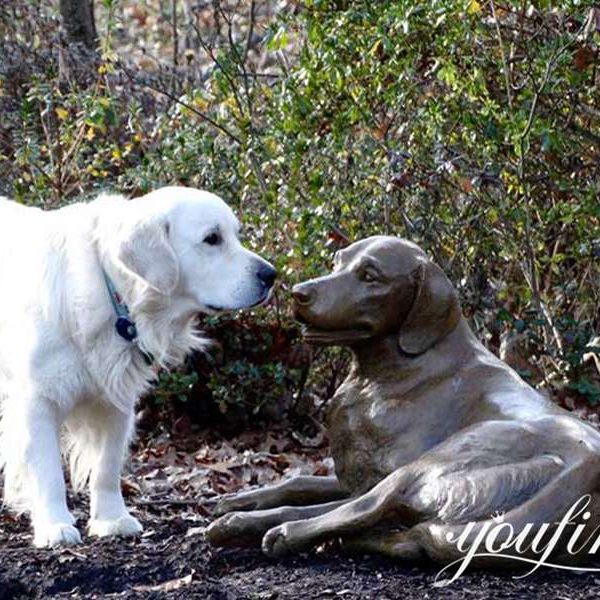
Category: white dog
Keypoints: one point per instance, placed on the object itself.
(92, 298)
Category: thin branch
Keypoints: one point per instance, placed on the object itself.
(187, 106)
(250, 29)
(240, 62)
(503, 54)
(175, 32)
(210, 51)
(550, 329)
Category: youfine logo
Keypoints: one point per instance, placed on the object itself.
(532, 544)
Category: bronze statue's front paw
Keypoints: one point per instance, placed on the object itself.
(226, 531)
(231, 502)
(275, 542)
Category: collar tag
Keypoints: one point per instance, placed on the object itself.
(126, 328)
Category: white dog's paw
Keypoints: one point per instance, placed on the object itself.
(56, 534)
(123, 527)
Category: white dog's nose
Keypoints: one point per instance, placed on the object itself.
(267, 274)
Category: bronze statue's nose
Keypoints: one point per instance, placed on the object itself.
(303, 295)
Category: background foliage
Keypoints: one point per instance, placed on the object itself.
(472, 128)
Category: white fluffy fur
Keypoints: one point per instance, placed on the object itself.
(68, 382)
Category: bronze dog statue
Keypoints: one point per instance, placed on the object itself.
(428, 432)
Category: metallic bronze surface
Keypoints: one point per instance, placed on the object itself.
(428, 432)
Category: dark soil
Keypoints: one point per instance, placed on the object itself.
(171, 487)
(171, 560)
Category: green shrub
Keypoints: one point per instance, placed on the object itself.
(471, 128)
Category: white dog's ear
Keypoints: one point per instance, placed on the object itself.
(145, 250)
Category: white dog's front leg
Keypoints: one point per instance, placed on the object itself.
(51, 519)
(108, 513)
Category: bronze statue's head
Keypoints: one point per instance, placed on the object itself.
(379, 286)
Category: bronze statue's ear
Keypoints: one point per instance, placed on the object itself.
(435, 311)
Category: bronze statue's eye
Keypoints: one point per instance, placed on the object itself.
(213, 239)
(368, 275)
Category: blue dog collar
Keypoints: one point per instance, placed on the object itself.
(124, 325)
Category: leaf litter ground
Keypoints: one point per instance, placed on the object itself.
(171, 487)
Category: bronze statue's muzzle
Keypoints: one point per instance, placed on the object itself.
(325, 307)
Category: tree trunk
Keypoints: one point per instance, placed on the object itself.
(78, 21)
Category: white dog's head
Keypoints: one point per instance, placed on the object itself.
(184, 243)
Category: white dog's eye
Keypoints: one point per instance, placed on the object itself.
(213, 239)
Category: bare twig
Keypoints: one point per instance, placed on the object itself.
(187, 106)
(503, 54)
(550, 330)
(250, 30)
(175, 32)
(211, 53)
(175, 502)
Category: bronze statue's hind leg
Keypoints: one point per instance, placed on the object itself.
(247, 528)
(297, 491)
(391, 501)
(549, 505)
